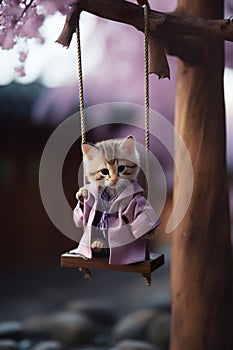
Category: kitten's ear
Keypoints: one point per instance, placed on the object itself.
(89, 150)
(128, 144)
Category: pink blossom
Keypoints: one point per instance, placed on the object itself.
(20, 71)
(23, 56)
(18, 20)
(8, 39)
(51, 6)
(30, 28)
(14, 11)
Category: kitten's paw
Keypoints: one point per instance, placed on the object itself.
(97, 245)
(82, 194)
(150, 235)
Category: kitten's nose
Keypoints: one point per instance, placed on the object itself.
(114, 180)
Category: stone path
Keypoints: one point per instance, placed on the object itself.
(54, 308)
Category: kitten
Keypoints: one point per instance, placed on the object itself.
(111, 165)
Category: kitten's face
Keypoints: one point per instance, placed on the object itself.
(112, 163)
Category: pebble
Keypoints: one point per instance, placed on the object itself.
(67, 327)
(100, 312)
(133, 325)
(48, 345)
(134, 345)
(90, 347)
(85, 326)
(25, 344)
(11, 330)
(36, 326)
(158, 331)
(8, 344)
(70, 328)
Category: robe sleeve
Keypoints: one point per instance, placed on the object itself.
(82, 211)
(141, 216)
(78, 215)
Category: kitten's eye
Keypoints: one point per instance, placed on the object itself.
(121, 168)
(104, 171)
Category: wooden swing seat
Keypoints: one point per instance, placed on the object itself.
(145, 267)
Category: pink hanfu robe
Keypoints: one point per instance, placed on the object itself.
(129, 217)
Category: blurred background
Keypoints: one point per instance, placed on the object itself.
(31, 107)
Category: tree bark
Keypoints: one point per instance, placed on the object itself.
(201, 248)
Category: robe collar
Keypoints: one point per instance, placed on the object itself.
(125, 196)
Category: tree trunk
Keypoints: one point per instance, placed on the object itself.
(201, 248)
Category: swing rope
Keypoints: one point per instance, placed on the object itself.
(81, 95)
(146, 93)
(80, 81)
(147, 96)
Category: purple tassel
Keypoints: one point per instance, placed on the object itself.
(104, 221)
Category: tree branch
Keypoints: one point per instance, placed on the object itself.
(168, 28)
(70, 25)
(158, 63)
(221, 29)
(132, 14)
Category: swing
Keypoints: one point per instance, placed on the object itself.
(153, 260)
